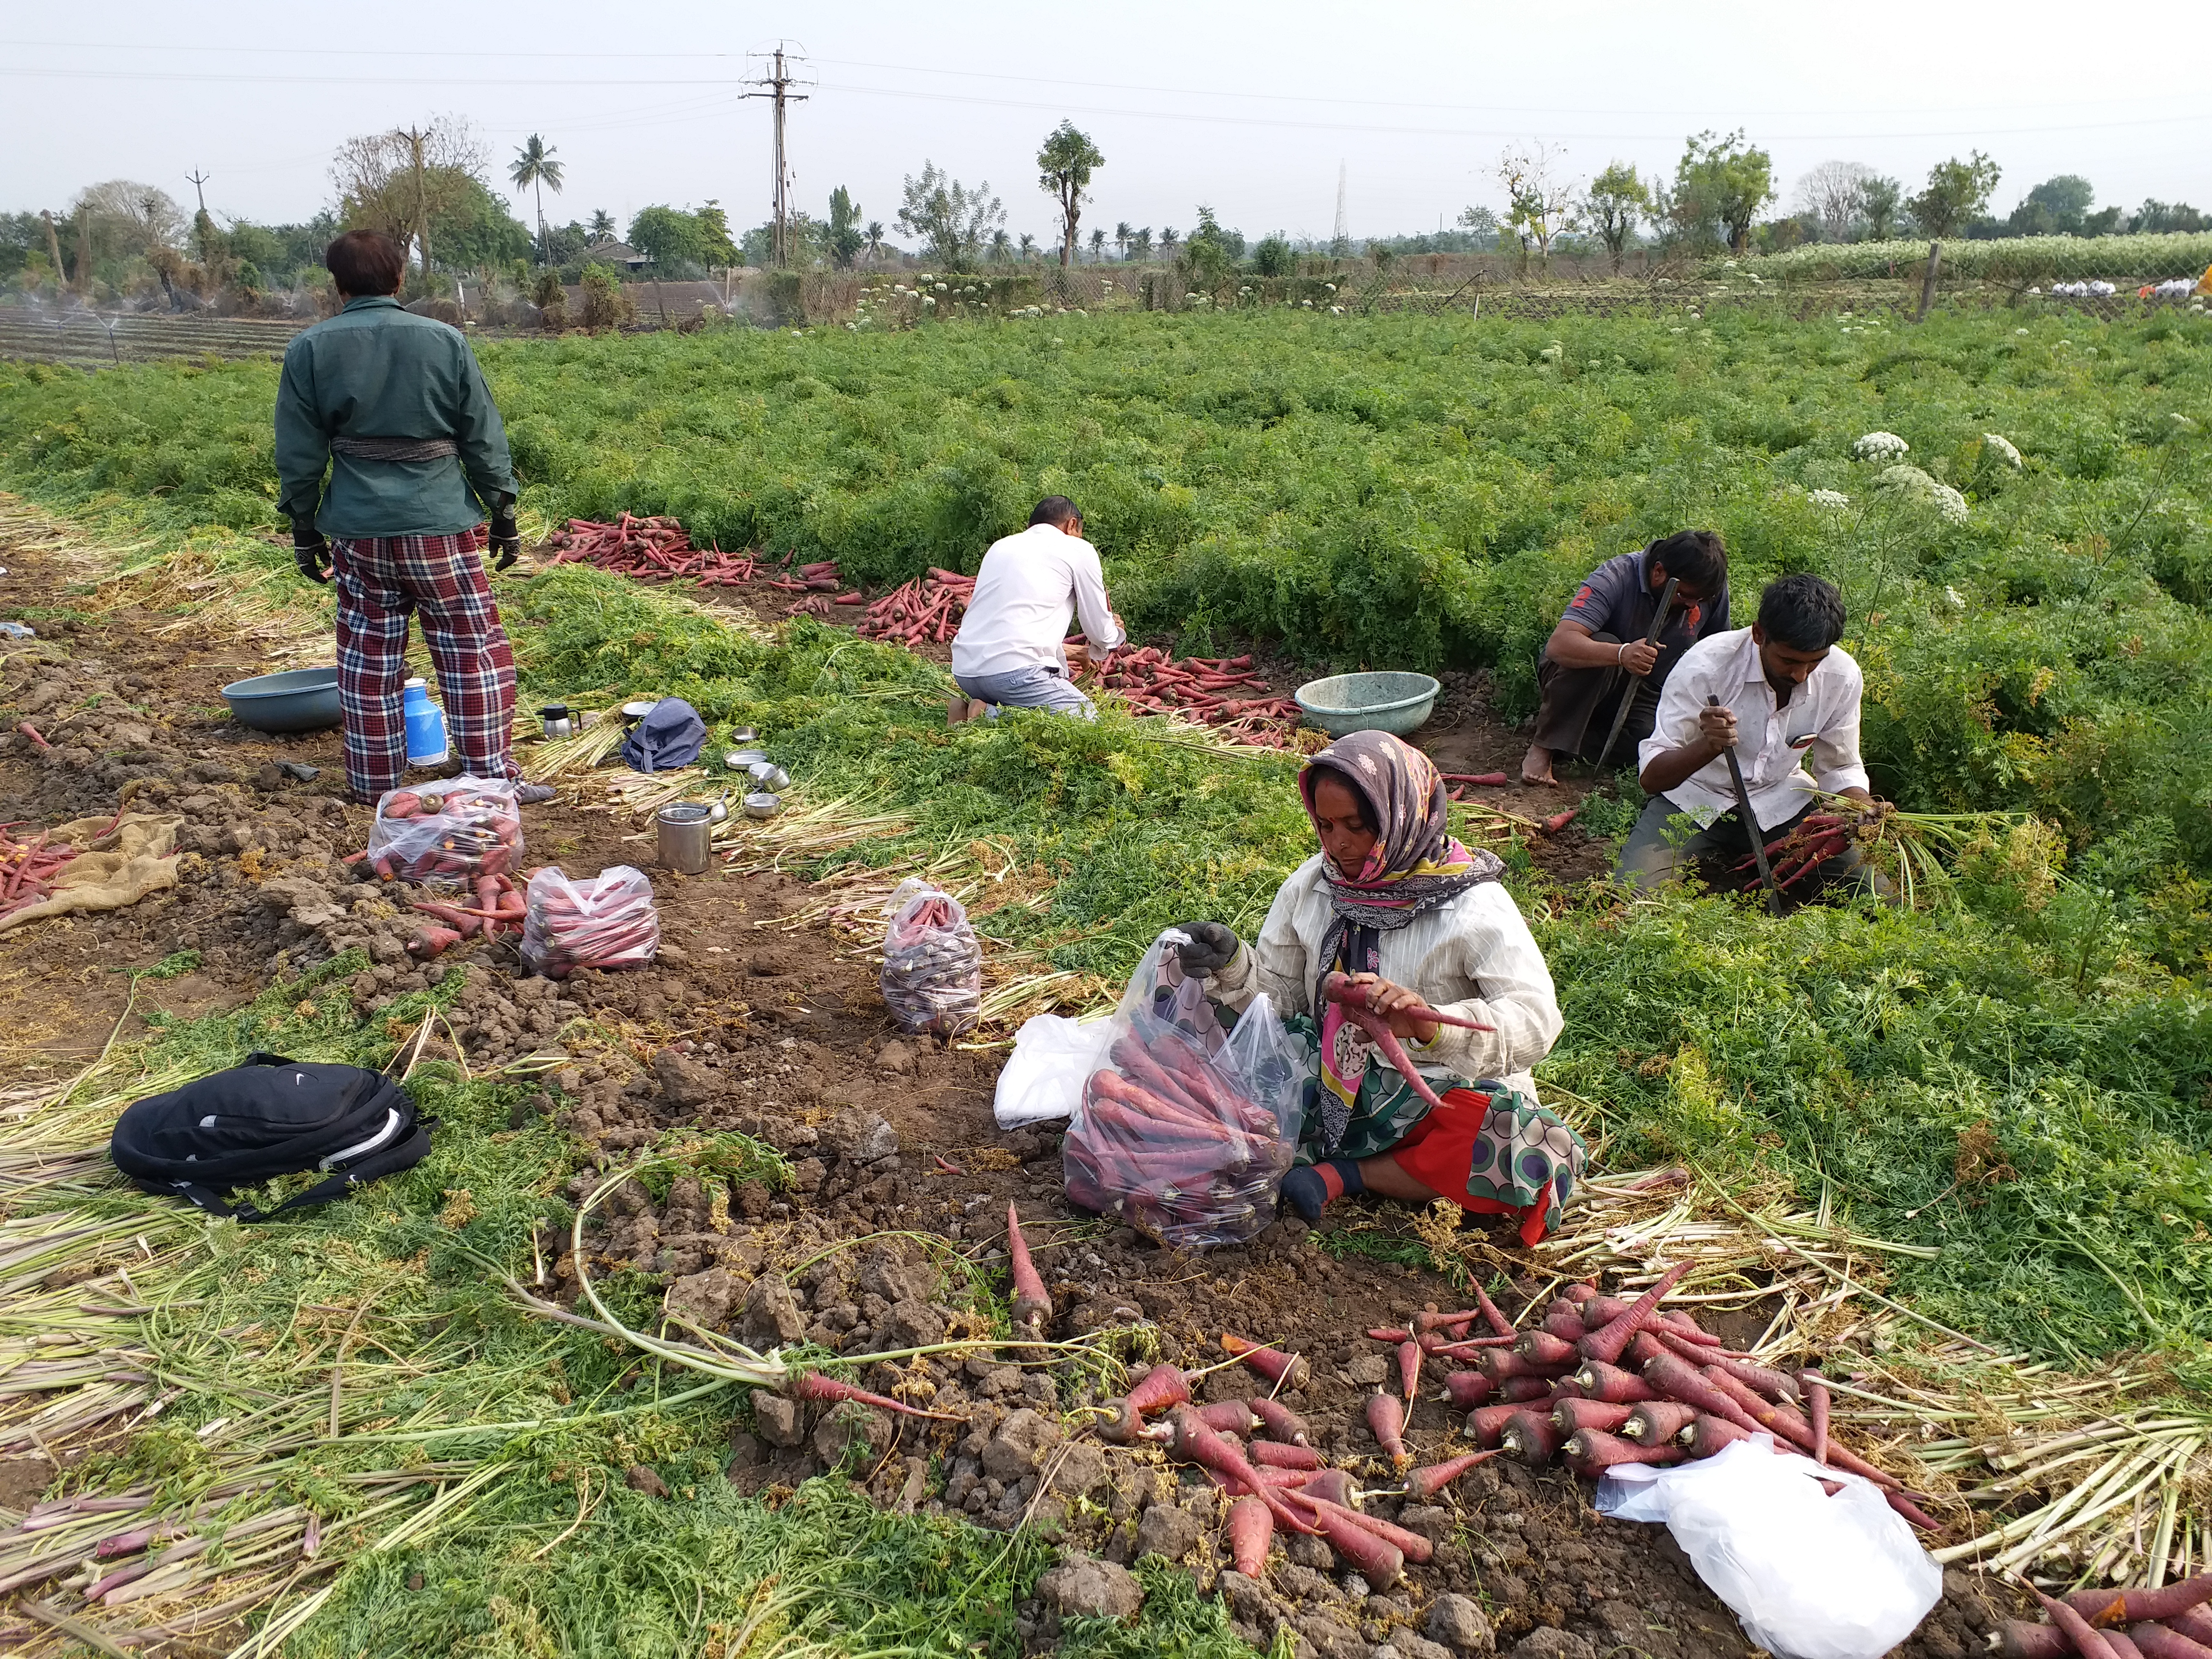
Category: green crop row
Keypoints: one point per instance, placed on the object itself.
(2126, 259)
(1409, 491)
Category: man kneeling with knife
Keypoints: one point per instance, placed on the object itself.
(1776, 693)
(394, 407)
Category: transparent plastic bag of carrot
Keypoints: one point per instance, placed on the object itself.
(447, 833)
(609, 922)
(933, 974)
(1187, 1132)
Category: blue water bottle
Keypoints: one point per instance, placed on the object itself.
(426, 725)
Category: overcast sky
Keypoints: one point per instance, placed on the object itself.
(1250, 108)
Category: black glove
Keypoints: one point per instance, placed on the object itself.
(506, 537)
(310, 550)
(1213, 946)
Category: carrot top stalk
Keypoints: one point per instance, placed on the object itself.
(1606, 1343)
(1287, 1371)
(1032, 1304)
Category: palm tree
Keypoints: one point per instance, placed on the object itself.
(1098, 244)
(1000, 247)
(1029, 246)
(1122, 237)
(603, 224)
(1168, 239)
(534, 169)
(872, 243)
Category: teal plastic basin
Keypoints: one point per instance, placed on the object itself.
(297, 700)
(1388, 702)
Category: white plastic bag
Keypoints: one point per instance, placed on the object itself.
(1043, 1078)
(609, 922)
(451, 831)
(933, 977)
(1186, 1130)
(1811, 1577)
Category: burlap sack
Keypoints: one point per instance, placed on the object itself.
(133, 860)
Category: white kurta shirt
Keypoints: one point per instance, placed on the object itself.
(1472, 956)
(1773, 740)
(1028, 587)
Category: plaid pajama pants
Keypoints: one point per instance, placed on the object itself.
(383, 580)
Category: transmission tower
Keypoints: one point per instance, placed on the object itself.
(1341, 242)
(776, 82)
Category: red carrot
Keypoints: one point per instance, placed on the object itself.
(1786, 1424)
(1708, 1435)
(1387, 1419)
(431, 942)
(1772, 1384)
(1565, 1324)
(1487, 1423)
(827, 1390)
(1409, 1370)
(1520, 1390)
(1678, 1380)
(1194, 1443)
(1569, 1416)
(1159, 1388)
(1280, 1421)
(2157, 1642)
(1681, 1324)
(2018, 1639)
(1289, 1371)
(1432, 1321)
(1387, 1334)
(2122, 1607)
(1606, 1343)
(1411, 1545)
(1602, 1382)
(1542, 1348)
(1232, 1416)
(1591, 1452)
(1816, 1399)
(1425, 1483)
(1656, 1422)
(1489, 779)
(1560, 821)
(1032, 1302)
(1468, 1389)
(2088, 1643)
(1576, 1294)
(1250, 1529)
(1280, 1454)
(2191, 1622)
(1530, 1436)
(2126, 1648)
(1334, 1485)
(1501, 1365)
(1380, 1563)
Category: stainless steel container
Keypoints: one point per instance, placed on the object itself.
(555, 717)
(745, 737)
(763, 806)
(738, 760)
(769, 775)
(686, 831)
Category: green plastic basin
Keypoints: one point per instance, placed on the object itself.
(1388, 702)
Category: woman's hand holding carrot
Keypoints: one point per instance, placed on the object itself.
(1393, 1003)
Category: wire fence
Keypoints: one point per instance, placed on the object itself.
(2109, 277)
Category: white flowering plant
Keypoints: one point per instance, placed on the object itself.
(1997, 445)
(1879, 446)
(1831, 501)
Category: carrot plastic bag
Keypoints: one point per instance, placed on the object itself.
(609, 922)
(933, 977)
(1186, 1128)
(451, 831)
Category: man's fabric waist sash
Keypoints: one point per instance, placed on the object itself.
(395, 449)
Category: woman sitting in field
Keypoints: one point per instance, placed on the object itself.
(1394, 901)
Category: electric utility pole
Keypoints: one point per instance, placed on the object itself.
(199, 189)
(413, 137)
(777, 83)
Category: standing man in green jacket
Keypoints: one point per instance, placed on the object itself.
(394, 408)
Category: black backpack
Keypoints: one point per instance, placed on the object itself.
(268, 1117)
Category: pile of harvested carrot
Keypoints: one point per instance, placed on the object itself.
(925, 611)
(1157, 684)
(1818, 837)
(498, 909)
(820, 578)
(28, 868)
(1168, 1142)
(653, 550)
(2166, 1623)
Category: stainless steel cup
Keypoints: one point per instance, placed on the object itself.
(686, 830)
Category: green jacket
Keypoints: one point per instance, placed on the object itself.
(377, 370)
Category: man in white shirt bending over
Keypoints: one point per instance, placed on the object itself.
(1786, 689)
(1009, 652)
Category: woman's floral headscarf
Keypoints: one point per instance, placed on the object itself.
(1416, 866)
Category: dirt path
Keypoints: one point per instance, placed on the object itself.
(744, 1025)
